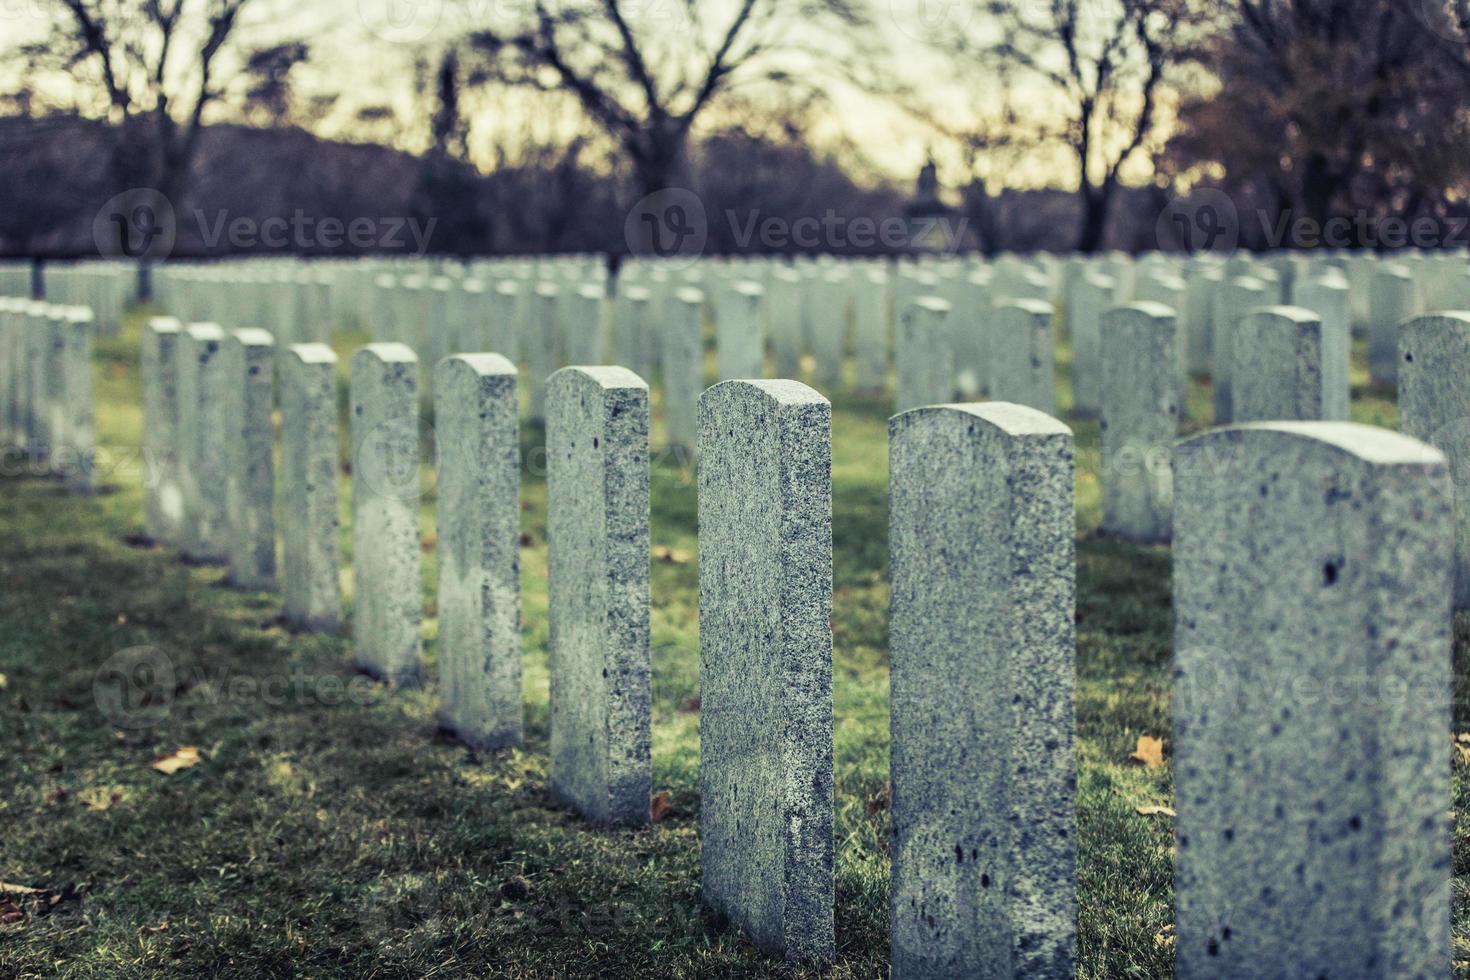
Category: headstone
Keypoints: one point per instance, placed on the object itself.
(541, 340)
(765, 606)
(203, 440)
(1234, 298)
(1434, 406)
(439, 327)
(471, 324)
(922, 354)
(1327, 296)
(505, 309)
(79, 403)
(1196, 323)
(784, 313)
(870, 315)
(35, 384)
(968, 328)
(597, 580)
(311, 591)
(12, 336)
(983, 559)
(162, 494)
(478, 468)
(1391, 301)
(388, 605)
(1140, 420)
(1165, 288)
(633, 330)
(250, 473)
(1311, 705)
(582, 325)
(739, 344)
(1289, 365)
(829, 299)
(1023, 355)
(53, 388)
(1091, 296)
(683, 367)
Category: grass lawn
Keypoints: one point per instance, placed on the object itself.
(330, 831)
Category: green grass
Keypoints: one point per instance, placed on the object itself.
(330, 831)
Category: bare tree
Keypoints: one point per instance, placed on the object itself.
(1092, 75)
(1336, 110)
(269, 96)
(151, 69)
(645, 70)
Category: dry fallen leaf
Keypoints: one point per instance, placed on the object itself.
(660, 806)
(4, 682)
(690, 705)
(10, 912)
(1165, 936)
(1149, 751)
(182, 759)
(6, 888)
(878, 802)
(674, 556)
(1154, 811)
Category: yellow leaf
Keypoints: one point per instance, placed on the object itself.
(6, 888)
(4, 682)
(1154, 811)
(674, 556)
(1149, 751)
(660, 806)
(182, 759)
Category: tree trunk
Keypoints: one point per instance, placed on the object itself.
(660, 166)
(980, 211)
(1095, 202)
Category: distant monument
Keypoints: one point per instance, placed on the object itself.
(930, 220)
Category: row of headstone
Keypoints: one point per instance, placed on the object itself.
(1269, 563)
(105, 287)
(842, 323)
(47, 405)
(15, 278)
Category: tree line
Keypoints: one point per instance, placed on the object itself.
(1312, 109)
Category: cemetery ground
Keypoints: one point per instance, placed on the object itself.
(327, 829)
